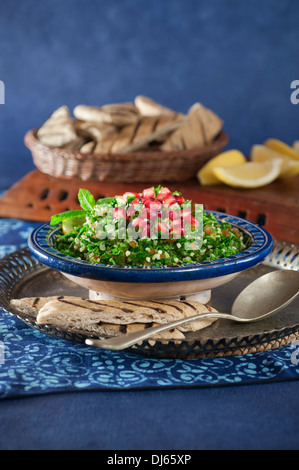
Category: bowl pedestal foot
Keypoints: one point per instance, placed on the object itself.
(202, 297)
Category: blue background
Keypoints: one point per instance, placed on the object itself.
(236, 57)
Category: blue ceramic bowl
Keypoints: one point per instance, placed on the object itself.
(139, 282)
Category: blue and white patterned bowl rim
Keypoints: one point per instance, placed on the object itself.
(41, 245)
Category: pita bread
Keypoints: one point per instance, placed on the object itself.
(149, 107)
(117, 116)
(211, 122)
(58, 130)
(115, 107)
(163, 128)
(200, 127)
(30, 307)
(88, 147)
(83, 314)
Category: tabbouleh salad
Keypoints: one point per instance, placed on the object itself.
(82, 234)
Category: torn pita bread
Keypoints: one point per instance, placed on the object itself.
(115, 107)
(162, 129)
(95, 114)
(211, 122)
(88, 147)
(96, 131)
(149, 107)
(200, 127)
(76, 145)
(58, 130)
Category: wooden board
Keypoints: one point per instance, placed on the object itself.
(37, 196)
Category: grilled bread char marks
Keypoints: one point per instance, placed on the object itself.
(82, 314)
(111, 317)
(89, 317)
(30, 307)
(118, 114)
(140, 135)
(183, 309)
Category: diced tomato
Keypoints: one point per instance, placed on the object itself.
(139, 222)
(179, 199)
(119, 213)
(186, 214)
(225, 233)
(208, 230)
(169, 201)
(135, 201)
(178, 228)
(172, 215)
(146, 231)
(149, 192)
(130, 212)
(163, 194)
(152, 204)
(194, 222)
(161, 227)
(236, 231)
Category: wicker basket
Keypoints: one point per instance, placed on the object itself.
(139, 167)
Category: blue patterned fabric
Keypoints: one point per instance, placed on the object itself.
(33, 363)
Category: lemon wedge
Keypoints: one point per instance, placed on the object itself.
(251, 174)
(261, 153)
(296, 146)
(281, 147)
(226, 159)
(68, 225)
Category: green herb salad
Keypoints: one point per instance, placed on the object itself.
(118, 230)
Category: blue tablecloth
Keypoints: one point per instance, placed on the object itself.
(34, 363)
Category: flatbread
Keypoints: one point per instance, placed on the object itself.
(199, 128)
(117, 116)
(149, 107)
(81, 313)
(58, 130)
(112, 317)
(88, 147)
(211, 122)
(30, 307)
(163, 127)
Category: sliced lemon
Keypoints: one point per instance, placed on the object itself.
(226, 159)
(296, 146)
(251, 174)
(281, 147)
(261, 153)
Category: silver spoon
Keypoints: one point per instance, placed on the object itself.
(263, 297)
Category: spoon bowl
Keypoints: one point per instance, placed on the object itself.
(266, 295)
(263, 297)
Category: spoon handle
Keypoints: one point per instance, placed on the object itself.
(125, 341)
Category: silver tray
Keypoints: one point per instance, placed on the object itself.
(21, 275)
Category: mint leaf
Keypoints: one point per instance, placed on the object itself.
(56, 219)
(86, 200)
(106, 200)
